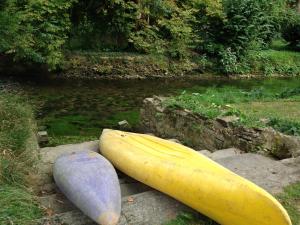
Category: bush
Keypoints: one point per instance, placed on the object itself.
(243, 25)
(291, 28)
(164, 28)
(230, 63)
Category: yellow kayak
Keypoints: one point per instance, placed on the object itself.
(192, 178)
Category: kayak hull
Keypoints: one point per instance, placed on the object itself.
(90, 182)
(192, 178)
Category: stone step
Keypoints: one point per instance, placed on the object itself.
(128, 185)
(55, 202)
(154, 208)
(148, 208)
(268, 173)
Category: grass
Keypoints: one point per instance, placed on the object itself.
(278, 102)
(283, 115)
(18, 206)
(186, 218)
(290, 199)
(17, 156)
(279, 59)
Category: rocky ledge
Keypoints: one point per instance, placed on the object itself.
(141, 204)
(200, 132)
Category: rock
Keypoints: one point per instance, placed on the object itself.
(227, 121)
(174, 140)
(266, 172)
(291, 162)
(42, 137)
(214, 134)
(296, 152)
(280, 145)
(42, 128)
(265, 121)
(49, 154)
(206, 153)
(142, 209)
(124, 125)
(225, 153)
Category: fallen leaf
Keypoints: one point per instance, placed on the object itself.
(130, 199)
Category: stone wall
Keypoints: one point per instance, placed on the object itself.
(200, 132)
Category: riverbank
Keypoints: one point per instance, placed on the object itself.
(18, 117)
(278, 61)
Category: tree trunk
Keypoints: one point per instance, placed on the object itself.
(298, 6)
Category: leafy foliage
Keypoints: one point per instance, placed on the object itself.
(36, 31)
(164, 28)
(225, 31)
(291, 28)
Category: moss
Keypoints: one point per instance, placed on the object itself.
(67, 129)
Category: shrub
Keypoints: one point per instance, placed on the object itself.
(164, 28)
(230, 63)
(242, 26)
(291, 28)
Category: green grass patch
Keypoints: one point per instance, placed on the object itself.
(190, 219)
(290, 199)
(18, 152)
(17, 138)
(18, 206)
(278, 102)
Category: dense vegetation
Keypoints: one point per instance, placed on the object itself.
(226, 32)
(17, 155)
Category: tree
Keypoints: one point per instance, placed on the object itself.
(35, 30)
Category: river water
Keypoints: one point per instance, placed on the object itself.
(77, 110)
